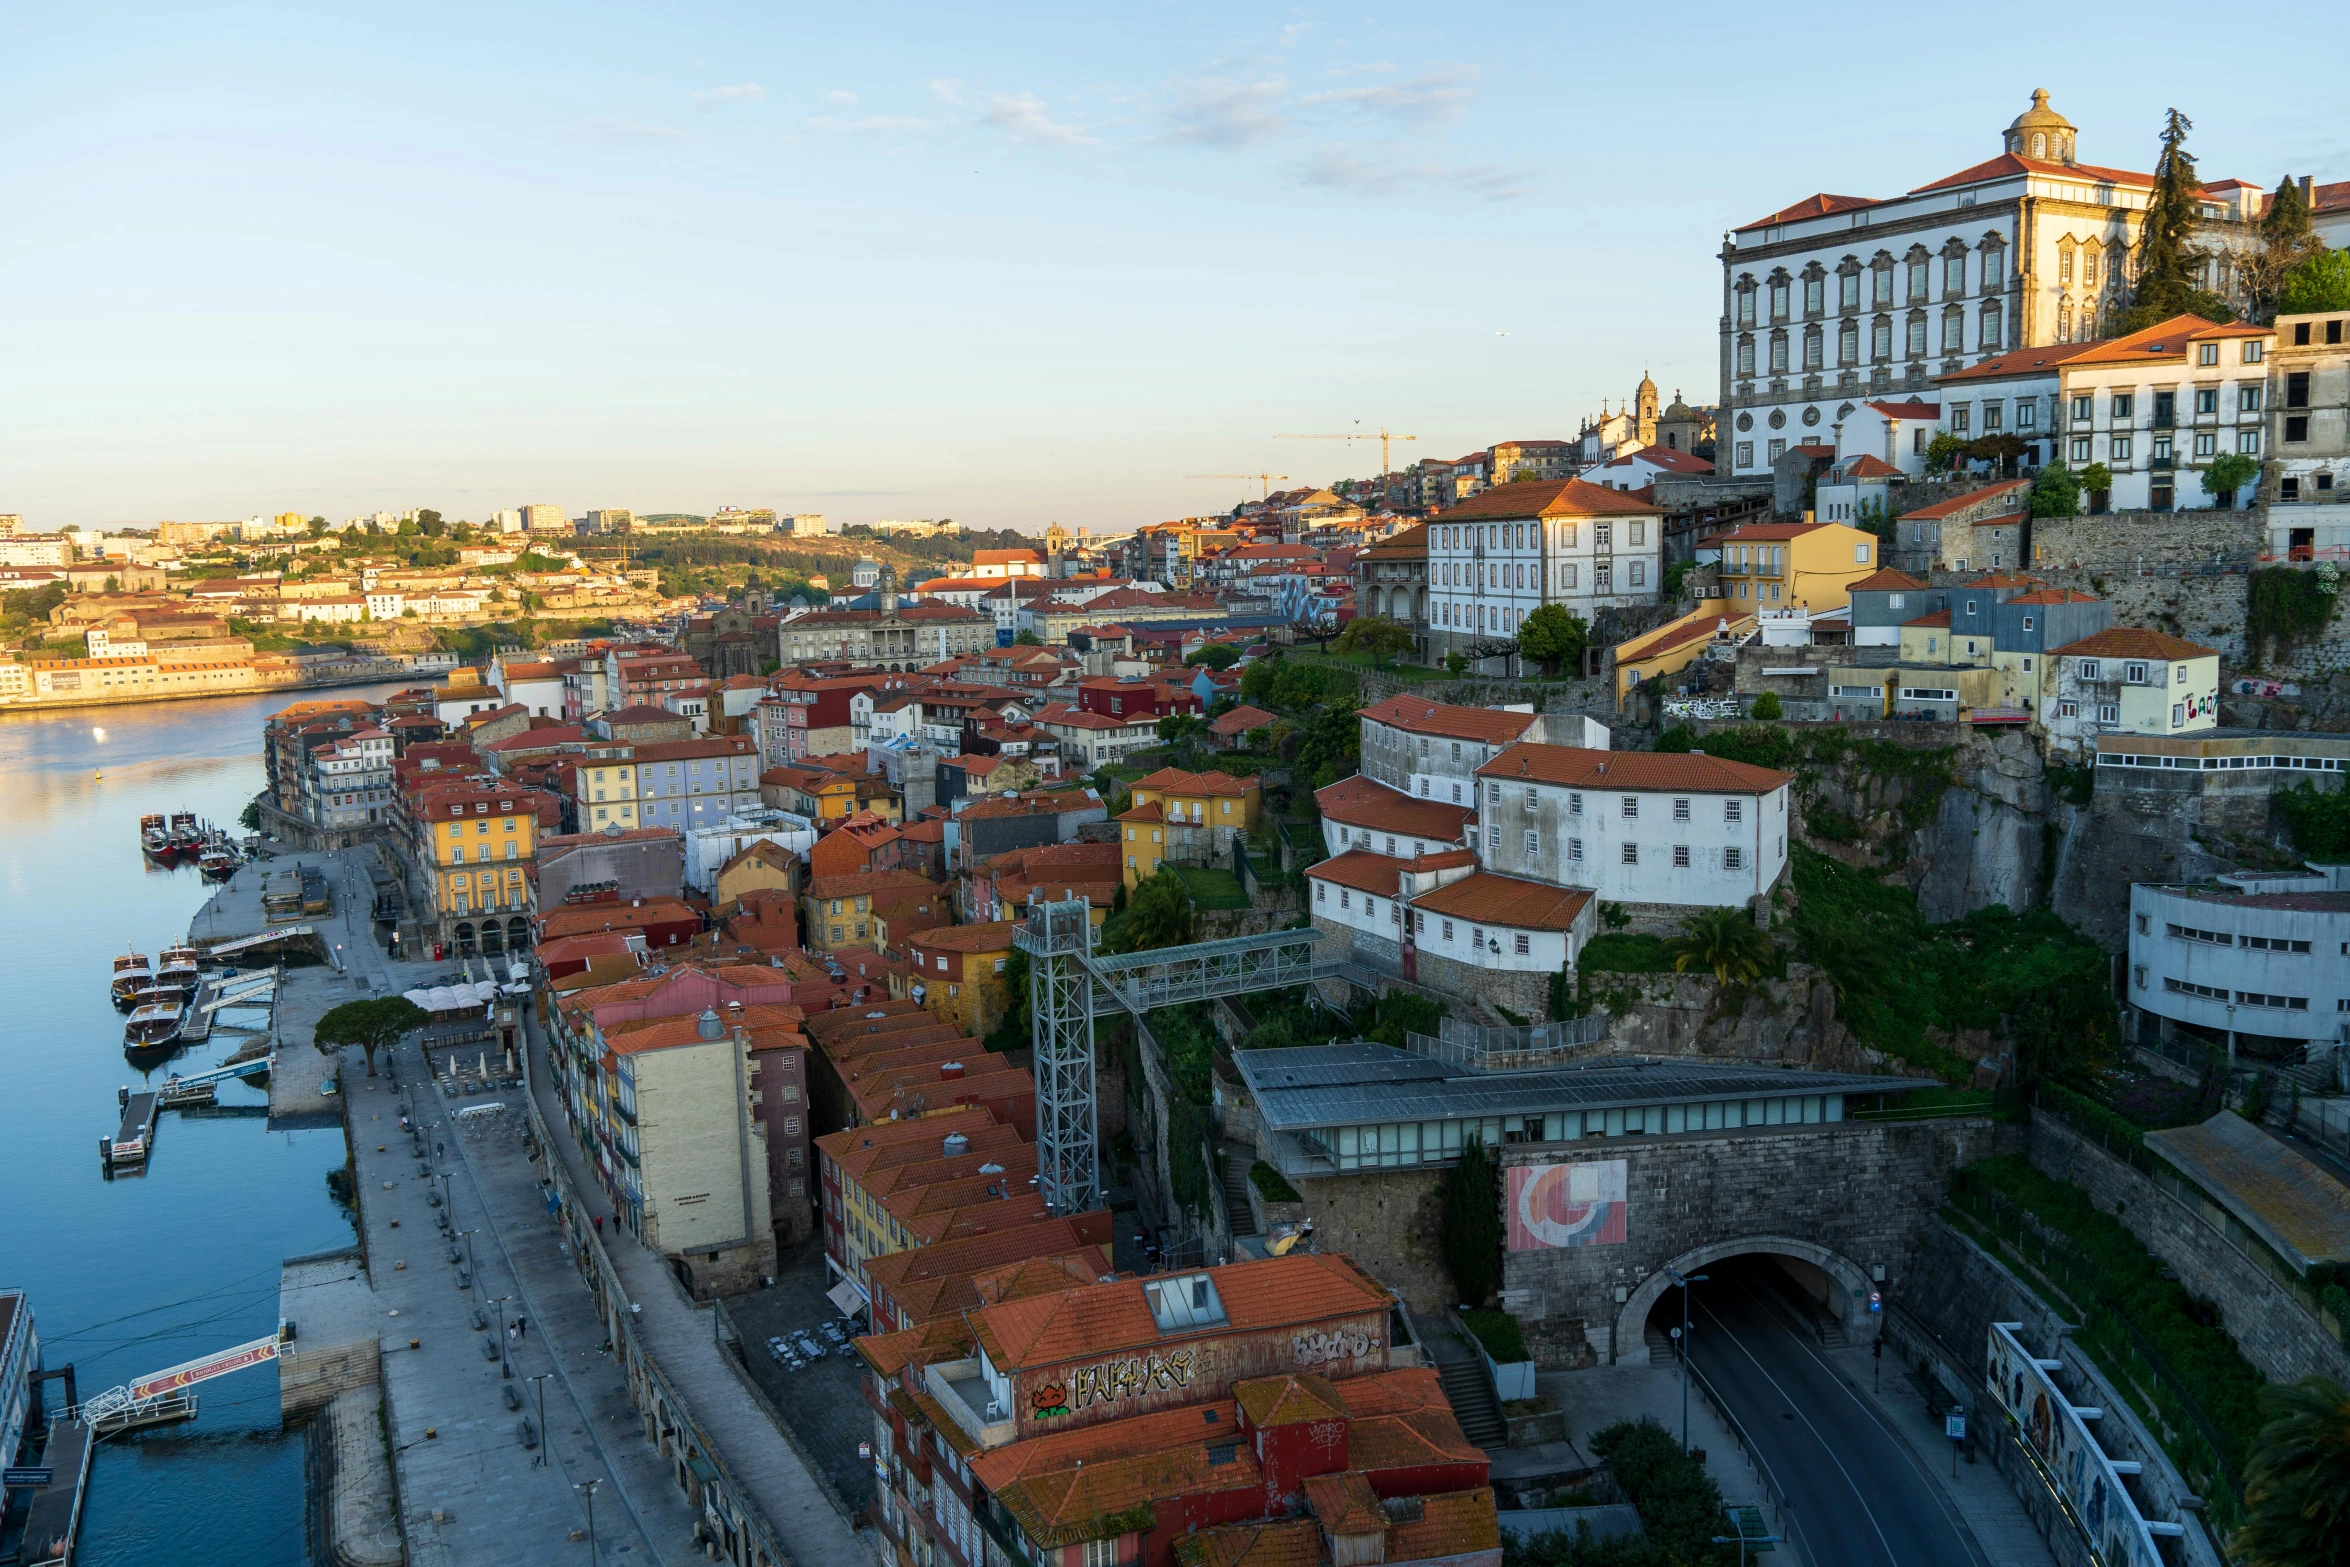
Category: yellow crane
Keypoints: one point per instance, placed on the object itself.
(1384, 437)
(1268, 480)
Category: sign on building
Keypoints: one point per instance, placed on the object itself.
(1556, 1205)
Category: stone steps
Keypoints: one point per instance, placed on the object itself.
(1470, 1392)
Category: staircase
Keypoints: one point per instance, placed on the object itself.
(1470, 1392)
(1236, 1162)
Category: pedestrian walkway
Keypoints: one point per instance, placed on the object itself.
(682, 1341)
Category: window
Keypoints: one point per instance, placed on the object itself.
(2081, 449)
(1631, 854)
(1745, 458)
(1881, 339)
(1779, 299)
(1680, 856)
(2134, 673)
(1778, 449)
(2248, 399)
(1448, 930)
(1493, 839)
(1574, 848)
(1631, 805)
(2109, 713)
(1746, 356)
(2068, 709)
(1848, 291)
(1523, 944)
(1533, 843)
(2206, 445)
(1733, 859)
(1917, 335)
(2122, 448)
(2297, 389)
(1733, 810)
(2083, 408)
(2123, 405)
(2296, 429)
(1680, 810)
(1813, 289)
(1778, 353)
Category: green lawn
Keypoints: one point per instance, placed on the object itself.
(1212, 889)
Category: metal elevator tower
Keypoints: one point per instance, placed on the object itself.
(1058, 940)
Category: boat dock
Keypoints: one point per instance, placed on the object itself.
(53, 1519)
(130, 1145)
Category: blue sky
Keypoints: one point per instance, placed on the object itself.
(1007, 264)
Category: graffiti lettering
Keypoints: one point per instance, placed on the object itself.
(1113, 1380)
(1319, 1348)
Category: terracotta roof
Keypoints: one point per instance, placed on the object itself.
(1822, 205)
(1767, 532)
(1275, 1542)
(2023, 361)
(2056, 596)
(1358, 802)
(1885, 580)
(1868, 465)
(1173, 780)
(2006, 489)
(1345, 1504)
(1036, 802)
(1938, 619)
(1912, 409)
(1659, 770)
(1418, 715)
(2007, 166)
(2134, 642)
(1664, 457)
(2165, 339)
(1697, 626)
(1547, 498)
(1361, 869)
(1291, 1399)
(996, 937)
(1241, 720)
(1506, 901)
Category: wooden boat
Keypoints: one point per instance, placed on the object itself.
(178, 970)
(155, 1024)
(218, 862)
(132, 974)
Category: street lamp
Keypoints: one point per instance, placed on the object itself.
(472, 1279)
(587, 1488)
(1681, 1339)
(498, 1328)
(539, 1386)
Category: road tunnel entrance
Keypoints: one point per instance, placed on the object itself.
(1829, 1295)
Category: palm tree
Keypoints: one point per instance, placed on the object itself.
(1160, 914)
(2297, 1486)
(1723, 941)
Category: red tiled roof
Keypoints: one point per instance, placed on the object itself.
(1488, 899)
(2010, 489)
(2007, 166)
(1173, 780)
(1868, 465)
(2134, 642)
(1637, 770)
(1418, 715)
(1358, 802)
(2056, 596)
(995, 937)
(2166, 339)
(1938, 619)
(2024, 361)
(1548, 498)
(1912, 409)
(1364, 871)
(1822, 205)
(1241, 720)
(1664, 457)
(1885, 580)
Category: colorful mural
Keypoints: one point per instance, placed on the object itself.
(1557, 1205)
(2060, 1442)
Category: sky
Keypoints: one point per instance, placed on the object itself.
(1011, 264)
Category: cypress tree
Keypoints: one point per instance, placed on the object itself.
(2167, 284)
(2285, 242)
(1472, 1224)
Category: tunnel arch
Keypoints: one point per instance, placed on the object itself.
(1851, 1277)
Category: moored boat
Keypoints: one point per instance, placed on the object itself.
(187, 834)
(178, 970)
(155, 1024)
(217, 863)
(132, 974)
(155, 837)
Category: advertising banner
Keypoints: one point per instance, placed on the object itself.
(1555, 1205)
(2060, 1439)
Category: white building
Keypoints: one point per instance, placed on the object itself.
(384, 604)
(349, 784)
(2255, 953)
(545, 519)
(709, 846)
(2309, 437)
(1090, 740)
(1495, 558)
(350, 607)
(1438, 919)
(1432, 750)
(2129, 680)
(1358, 814)
(1838, 299)
(1635, 827)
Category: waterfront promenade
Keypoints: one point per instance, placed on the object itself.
(469, 1491)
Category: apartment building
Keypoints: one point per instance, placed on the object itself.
(1495, 558)
(2251, 958)
(1432, 749)
(2131, 680)
(1792, 565)
(2309, 437)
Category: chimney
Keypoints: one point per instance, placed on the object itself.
(2307, 194)
(949, 1071)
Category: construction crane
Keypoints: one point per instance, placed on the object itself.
(1266, 479)
(1384, 437)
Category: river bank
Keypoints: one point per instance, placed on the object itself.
(271, 691)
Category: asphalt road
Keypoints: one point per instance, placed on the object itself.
(1861, 1496)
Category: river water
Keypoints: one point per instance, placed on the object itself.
(139, 1273)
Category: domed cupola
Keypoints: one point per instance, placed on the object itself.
(2041, 133)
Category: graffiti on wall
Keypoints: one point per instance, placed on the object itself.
(2062, 1446)
(1112, 1380)
(1558, 1205)
(1318, 1348)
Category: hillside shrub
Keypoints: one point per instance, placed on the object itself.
(1498, 1331)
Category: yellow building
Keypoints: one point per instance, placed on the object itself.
(1198, 816)
(960, 969)
(606, 791)
(1929, 640)
(839, 909)
(1675, 645)
(473, 846)
(1793, 565)
(815, 792)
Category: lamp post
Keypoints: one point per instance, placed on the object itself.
(539, 1386)
(587, 1488)
(472, 1279)
(498, 1327)
(1682, 1339)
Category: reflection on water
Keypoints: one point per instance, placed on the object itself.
(128, 1276)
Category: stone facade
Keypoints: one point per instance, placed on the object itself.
(1394, 1222)
(2270, 1323)
(1695, 1198)
(2127, 540)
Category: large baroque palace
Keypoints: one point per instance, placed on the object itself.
(1840, 298)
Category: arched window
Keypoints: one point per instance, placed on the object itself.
(2064, 318)
(2089, 253)
(1953, 330)
(2039, 144)
(2064, 262)
(1813, 347)
(1988, 335)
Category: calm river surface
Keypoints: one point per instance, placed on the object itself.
(132, 1275)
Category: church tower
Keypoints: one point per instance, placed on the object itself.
(1644, 412)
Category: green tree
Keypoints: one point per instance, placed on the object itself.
(1181, 728)
(2321, 282)
(1160, 914)
(429, 523)
(2056, 492)
(1943, 451)
(1724, 943)
(250, 817)
(2170, 268)
(2297, 1482)
(2097, 480)
(1376, 636)
(1019, 1020)
(1028, 639)
(1472, 1223)
(2228, 473)
(1767, 707)
(2286, 241)
(371, 1025)
(1555, 636)
(1218, 656)
(1456, 663)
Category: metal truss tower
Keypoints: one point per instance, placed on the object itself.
(1058, 941)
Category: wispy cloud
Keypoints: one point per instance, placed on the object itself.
(738, 92)
(632, 133)
(838, 96)
(1421, 100)
(1387, 170)
(1022, 116)
(1216, 111)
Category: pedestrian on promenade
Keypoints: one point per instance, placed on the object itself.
(522, 1326)
(599, 1224)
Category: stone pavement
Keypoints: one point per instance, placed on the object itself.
(682, 1341)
